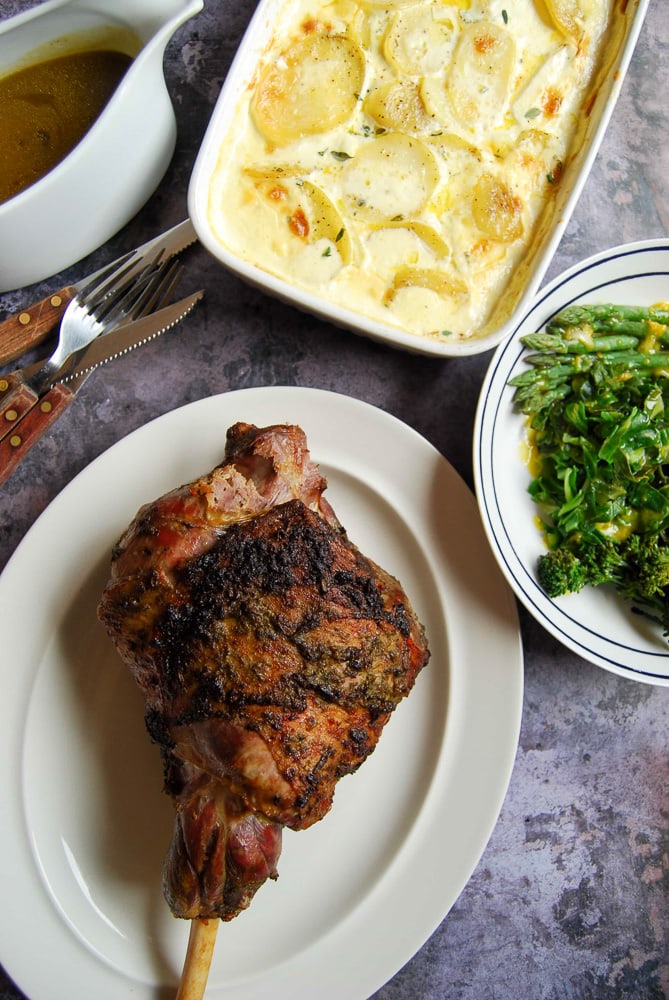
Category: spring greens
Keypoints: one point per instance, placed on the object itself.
(596, 399)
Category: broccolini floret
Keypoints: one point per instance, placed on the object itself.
(637, 567)
(560, 572)
(569, 568)
(647, 566)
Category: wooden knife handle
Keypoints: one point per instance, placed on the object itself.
(32, 325)
(27, 432)
(16, 398)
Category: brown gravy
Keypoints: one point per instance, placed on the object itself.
(47, 107)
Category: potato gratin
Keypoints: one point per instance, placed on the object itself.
(401, 159)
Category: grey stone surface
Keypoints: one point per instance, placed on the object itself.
(570, 899)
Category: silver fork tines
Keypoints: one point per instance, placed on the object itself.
(144, 292)
(123, 296)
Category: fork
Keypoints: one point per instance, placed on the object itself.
(159, 314)
(125, 295)
(98, 308)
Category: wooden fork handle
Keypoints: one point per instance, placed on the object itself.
(30, 326)
(28, 431)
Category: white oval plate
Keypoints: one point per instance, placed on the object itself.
(595, 623)
(86, 825)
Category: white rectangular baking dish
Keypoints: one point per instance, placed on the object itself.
(523, 283)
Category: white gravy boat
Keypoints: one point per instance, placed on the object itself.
(118, 164)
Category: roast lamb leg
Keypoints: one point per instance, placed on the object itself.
(270, 651)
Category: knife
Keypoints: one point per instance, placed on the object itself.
(20, 437)
(30, 326)
(152, 286)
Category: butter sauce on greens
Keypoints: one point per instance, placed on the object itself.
(596, 401)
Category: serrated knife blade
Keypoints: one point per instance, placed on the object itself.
(31, 325)
(19, 437)
(129, 337)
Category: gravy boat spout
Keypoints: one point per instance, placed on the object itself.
(118, 163)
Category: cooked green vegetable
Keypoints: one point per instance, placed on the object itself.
(596, 397)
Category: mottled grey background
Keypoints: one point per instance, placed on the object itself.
(570, 900)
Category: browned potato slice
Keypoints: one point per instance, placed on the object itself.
(310, 89)
(496, 210)
(540, 98)
(481, 76)
(305, 210)
(398, 107)
(391, 177)
(535, 162)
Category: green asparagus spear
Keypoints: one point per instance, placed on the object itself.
(609, 316)
(557, 343)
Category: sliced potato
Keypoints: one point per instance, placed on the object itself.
(420, 40)
(568, 17)
(496, 210)
(426, 299)
(305, 211)
(359, 28)
(481, 77)
(342, 12)
(446, 285)
(392, 245)
(398, 107)
(262, 171)
(392, 177)
(326, 221)
(480, 258)
(431, 238)
(386, 4)
(426, 233)
(389, 246)
(458, 155)
(535, 160)
(541, 94)
(313, 87)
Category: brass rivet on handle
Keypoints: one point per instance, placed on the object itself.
(15, 440)
(56, 301)
(11, 415)
(4, 385)
(24, 318)
(46, 406)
